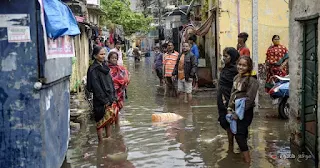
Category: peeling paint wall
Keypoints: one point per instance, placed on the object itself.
(300, 8)
(273, 19)
(54, 105)
(20, 119)
(34, 124)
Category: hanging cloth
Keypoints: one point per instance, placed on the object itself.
(204, 28)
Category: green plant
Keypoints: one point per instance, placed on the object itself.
(119, 12)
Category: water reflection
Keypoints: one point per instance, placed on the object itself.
(195, 141)
(113, 153)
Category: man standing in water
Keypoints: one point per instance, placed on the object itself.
(117, 49)
(169, 61)
(185, 70)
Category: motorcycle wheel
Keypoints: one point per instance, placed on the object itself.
(284, 108)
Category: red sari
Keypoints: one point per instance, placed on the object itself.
(276, 55)
(120, 77)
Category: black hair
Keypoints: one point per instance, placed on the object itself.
(243, 35)
(118, 42)
(275, 36)
(170, 42)
(111, 53)
(186, 42)
(164, 45)
(96, 51)
(234, 54)
(193, 38)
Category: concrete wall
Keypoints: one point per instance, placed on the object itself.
(299, 8)
(273, 19)
(34, 124)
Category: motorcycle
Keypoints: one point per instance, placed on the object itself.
(280, 94)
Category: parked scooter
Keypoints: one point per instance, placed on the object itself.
(280, 94)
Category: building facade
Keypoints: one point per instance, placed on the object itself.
(304, 67)
(272, 18)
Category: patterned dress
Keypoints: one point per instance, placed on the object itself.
(120, 77)
(276, 55)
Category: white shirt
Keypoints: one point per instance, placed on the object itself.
(129, 53)
(120, 61)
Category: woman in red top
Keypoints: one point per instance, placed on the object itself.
(276, 61)
(242, 47)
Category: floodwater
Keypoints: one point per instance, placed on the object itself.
(195, 141)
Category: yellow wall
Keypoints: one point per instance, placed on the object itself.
(273, 19)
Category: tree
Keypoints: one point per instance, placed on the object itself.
(119, 12)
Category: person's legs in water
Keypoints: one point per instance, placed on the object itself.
(174, 89)
(242, 142)
(108, 130)
(230, 139)
(167, 87)
(180, 89)
(188, 90)
(117, 123)
(195, 81)
(100, 134)
(160, 76)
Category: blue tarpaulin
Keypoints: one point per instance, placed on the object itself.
(59, 19)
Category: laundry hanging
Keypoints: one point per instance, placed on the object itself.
(204, 28)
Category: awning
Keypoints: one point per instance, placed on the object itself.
(204, 28)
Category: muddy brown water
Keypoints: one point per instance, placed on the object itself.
(195, 141)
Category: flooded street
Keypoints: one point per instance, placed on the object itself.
(195, 141)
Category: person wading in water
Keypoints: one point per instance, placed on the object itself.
(228, 72)
(242, 103)
(169, 61)
(99, 82)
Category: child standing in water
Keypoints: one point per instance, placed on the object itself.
(245, 86)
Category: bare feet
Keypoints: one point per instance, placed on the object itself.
(246, 156)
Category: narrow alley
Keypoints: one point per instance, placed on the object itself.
(195, 141)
